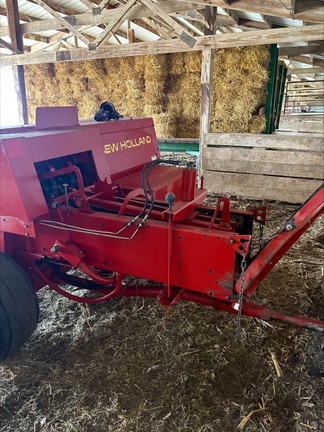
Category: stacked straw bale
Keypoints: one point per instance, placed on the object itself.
(239, 78)
(164, 87)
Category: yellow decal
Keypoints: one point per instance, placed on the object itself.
(127, 144)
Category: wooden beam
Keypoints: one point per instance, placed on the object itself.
(57, 35)
(22, 17)
(310, 10)
(147, 25)
(120, 17)
(250, 24)
(307, 49)
(206, 95)
(184, 35)
(106, 16)
(57, 7)
(87, 4)
(232, 17)
(139, 11)
(62, 21)
(305, 71)
(252, 38)
(36, 37)
(307, 60)
(18, 71)
(103, 4)
(10, 47)
(267, 21)
(14, 25)
(210, 20)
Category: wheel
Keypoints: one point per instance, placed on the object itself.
(19, 310)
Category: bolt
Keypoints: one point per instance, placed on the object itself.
(232, 241)
(289, 227)
(55, 248)
(210, 293)
(259, 217)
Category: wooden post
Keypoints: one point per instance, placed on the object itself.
(207, 63)
(18, 71)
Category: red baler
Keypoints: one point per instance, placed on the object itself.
(97, 197)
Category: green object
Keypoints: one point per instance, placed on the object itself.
(277, 97)
(269, 107)
(281, 97)
(178, 145)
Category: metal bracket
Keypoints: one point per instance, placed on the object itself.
(260, 215)
(70, 19)
(240, 243)
(187, 39)
(63, 55)
(96, 11)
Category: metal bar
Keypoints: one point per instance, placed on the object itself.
(248, 309)
(277, 96)
(288, 234)
(271, 88)
(281, 91)
(178, 146)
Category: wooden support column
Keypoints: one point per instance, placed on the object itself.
(18, 71)
(207, 63)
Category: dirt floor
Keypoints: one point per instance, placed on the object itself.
(132, 366)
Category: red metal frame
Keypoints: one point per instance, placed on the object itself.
(80, 197)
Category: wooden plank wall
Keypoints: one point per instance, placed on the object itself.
(275, 167)
(302, 123)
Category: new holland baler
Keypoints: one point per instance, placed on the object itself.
(90, 208)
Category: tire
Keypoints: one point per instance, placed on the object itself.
(19, 309)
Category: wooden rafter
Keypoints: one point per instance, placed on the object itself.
(310, 10)
(10, 47)
(103, 4)
(305, 71)
(252, 38)
(62, 21)
(87, 3)
(267, 21)
(307, 60)
(106, 17)
(18, 71)
(22, 17)
(56, 7)
(305, 49)
(210, 21)
(120, 17)
(184, 35)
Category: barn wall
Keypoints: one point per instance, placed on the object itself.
(302, 123)
(283, 168)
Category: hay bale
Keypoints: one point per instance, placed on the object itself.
(165, 127)
(238, 91)
(166, 87)
(156, 67)
(257, 124)
(176, 63)
(192, 62)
